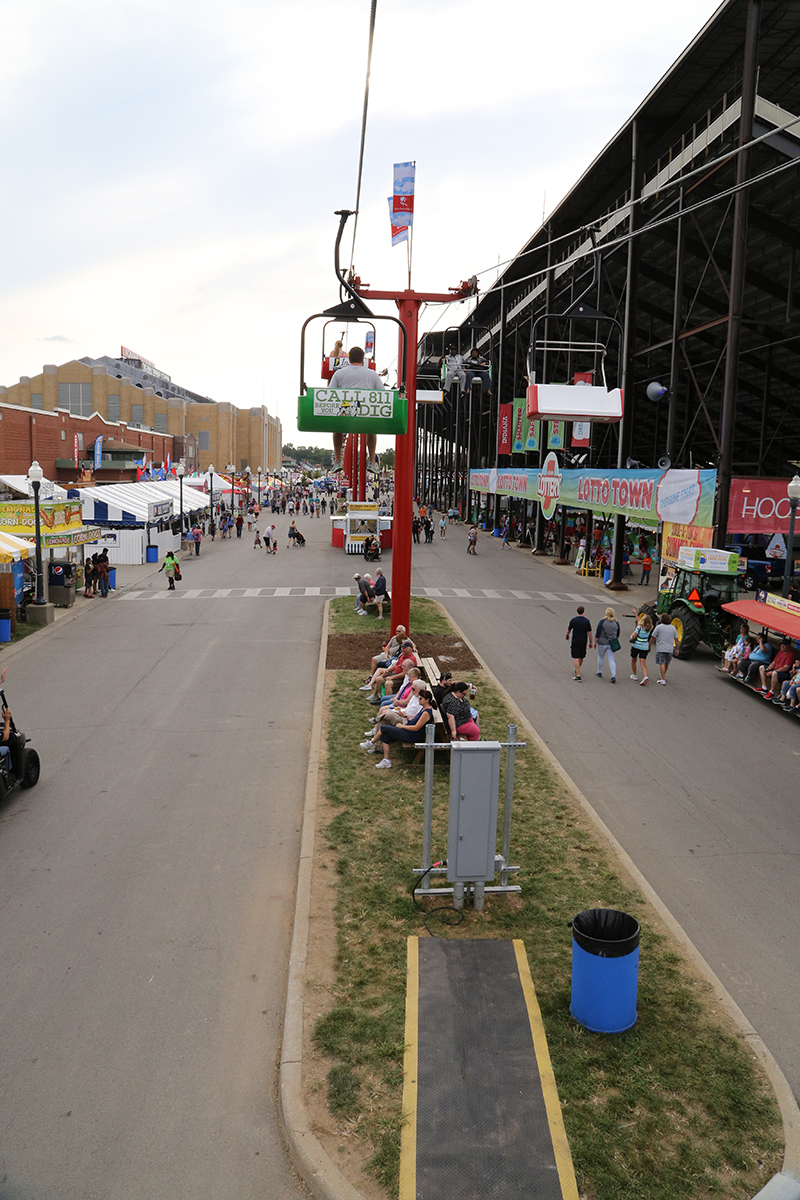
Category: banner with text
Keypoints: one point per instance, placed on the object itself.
(674, 535)
(686, 497)
(759, 506)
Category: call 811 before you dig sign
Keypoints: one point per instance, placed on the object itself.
(352, 410)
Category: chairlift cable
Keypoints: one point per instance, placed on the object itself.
(372, 11)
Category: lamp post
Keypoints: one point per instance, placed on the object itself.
(793, 492)
(180, 471)
(232, 470)
(35, 474)
(210, 495)
(259, 487)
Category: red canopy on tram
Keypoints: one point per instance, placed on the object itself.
(768, 615)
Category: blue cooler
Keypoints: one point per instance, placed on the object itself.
(605, 970)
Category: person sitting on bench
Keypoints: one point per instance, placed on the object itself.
(458, 714)
(406, 733)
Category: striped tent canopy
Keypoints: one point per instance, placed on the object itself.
(12, 548)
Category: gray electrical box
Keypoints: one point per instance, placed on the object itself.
(472, 831)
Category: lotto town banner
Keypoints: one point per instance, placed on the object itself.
(682, 497)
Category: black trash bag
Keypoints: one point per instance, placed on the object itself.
(606, 932)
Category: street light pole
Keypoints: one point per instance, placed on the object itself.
(210, 495)
(180, 471)
(232, 470)
(35, 474)
(259, 487)
(793, 491)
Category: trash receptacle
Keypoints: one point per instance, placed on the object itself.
(112, 578)
(607, 575)
(5, 624)
(605, 969)
(152, 554)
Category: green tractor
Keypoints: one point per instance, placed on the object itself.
(694, 600)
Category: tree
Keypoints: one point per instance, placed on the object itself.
(387, 458)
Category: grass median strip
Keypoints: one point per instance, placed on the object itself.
(677, 1106)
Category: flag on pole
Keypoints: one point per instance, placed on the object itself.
(403, 198)
(399, 232)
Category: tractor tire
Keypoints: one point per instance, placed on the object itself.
(689, 627)
(30, 769)
(749, 582)
(650, 610)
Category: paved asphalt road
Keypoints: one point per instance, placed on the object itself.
(146, 884)
(699, 780)
(147, 890)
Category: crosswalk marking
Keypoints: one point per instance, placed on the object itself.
(323, 592)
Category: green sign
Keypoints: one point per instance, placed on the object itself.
(352, 410)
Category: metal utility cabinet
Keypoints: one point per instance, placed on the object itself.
(472, 832)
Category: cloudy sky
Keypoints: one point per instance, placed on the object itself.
(171, 167)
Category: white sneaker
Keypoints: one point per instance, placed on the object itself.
(365, 745)
(372, 750)
(662, 681)
(634, 676)
(383, 765)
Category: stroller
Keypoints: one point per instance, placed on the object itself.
(299, 539)
(372, 553)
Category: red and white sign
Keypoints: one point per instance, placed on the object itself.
(581, 433)
(548, 486)
(504, 429)
(759, 506)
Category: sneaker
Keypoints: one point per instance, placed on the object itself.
(599, 674)
(613, 679)
(373, 750)
(644, 681)
(768, 695)
(384, 764)
(375, 700)
(365, 687)
(634, 676)
(759, 689)
(372, 468)
(663, 682)
(577, 679)
(365, 745)
(338, 465)
(361, 612)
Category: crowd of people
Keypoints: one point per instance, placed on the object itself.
(775, 675)
(405, 701)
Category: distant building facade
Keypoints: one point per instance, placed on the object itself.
(137, 400)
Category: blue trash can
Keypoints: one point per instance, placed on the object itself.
(152, 553)
(607, 575)
(112, 578)
(605, 970)
(5, 624)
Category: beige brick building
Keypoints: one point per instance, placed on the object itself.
(134, 393)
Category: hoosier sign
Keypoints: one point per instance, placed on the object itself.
(352, 410)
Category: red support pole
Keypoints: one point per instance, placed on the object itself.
(408, 308)
(348, 459)
(362, 467)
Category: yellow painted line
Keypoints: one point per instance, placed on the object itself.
(558, 1136)
(408, 1137)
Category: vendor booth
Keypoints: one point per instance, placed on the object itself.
(139, 522)
(63, 536)
(350, 529)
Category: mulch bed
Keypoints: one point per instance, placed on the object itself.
(353, 651)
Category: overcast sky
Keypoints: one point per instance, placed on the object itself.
(171, 167)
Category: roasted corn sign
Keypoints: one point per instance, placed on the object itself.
(352, 410)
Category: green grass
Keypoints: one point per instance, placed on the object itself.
(426, 618)
(675, 1107)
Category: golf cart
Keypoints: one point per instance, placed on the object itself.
(20, 767)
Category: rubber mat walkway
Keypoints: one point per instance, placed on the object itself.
(482, 1117)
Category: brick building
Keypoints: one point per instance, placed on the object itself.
(130, 400)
